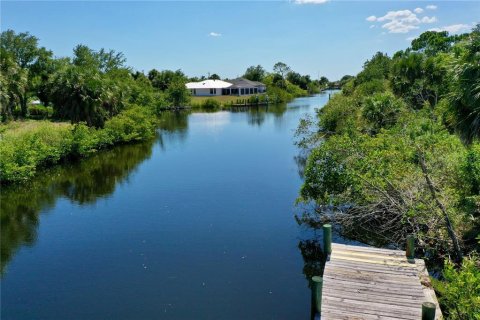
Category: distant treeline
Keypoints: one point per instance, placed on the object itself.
(93, 86)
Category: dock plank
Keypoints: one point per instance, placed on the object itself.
(370, 283)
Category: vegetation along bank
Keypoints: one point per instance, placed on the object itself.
(398, 152)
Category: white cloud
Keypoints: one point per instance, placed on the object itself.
(454, 28)
(410, 38)
(215, 34)
(431, 7)
(310, 1)
(401, 21)
(418, 10)
(429, 19)
(372, 26)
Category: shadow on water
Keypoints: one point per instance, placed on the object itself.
(82, 182)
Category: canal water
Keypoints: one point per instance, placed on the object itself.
(196, 224)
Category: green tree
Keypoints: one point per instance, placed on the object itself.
(432, 42)
(84, 94)
(255, 73)
(418, 78)
(381, 111)
(214, 77)
(177, 93)
(282, 69)
(24, 50)
(377, 68)
(13, 83)
(323, 81)
(464, 96)
(163, 79)
(300, 80)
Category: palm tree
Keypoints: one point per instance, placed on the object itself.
(465, 94)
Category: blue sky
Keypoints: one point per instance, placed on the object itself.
(330, 38)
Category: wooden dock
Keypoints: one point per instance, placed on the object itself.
(370, 283)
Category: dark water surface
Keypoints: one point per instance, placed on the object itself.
(198, 223)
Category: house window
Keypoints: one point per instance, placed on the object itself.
(242, 91)
(213, 91)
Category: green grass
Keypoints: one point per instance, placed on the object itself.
(224, 100)
(24, 126)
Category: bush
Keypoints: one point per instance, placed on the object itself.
(381, 111)
(459, 293)
(85, 140)
(338, 115)
(22, 152)
(133, 124)
(40, 112)
(211, 104)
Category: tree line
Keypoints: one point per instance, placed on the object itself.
(94, 85)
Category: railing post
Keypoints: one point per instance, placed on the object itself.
(410, 247)
(327, 238)
(317, 284)
(428, 311)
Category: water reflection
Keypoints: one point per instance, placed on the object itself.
(216, 195)
(174, 123)
(86, 181)
(82, 182)
(313, 257)
(256, 116)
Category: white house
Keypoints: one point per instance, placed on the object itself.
(208, 87)
(238, 87)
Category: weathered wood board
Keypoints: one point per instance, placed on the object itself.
(370, 283)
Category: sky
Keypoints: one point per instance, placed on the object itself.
(316, 37)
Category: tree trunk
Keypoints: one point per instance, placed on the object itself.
(23, 106)
(448, 223)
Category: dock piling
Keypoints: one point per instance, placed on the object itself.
(410, 247)
(327, 238)
(428, 311)
(317, 284)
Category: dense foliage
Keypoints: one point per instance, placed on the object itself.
(91, 86)
(459, 293)
(284, 83)
(397, 152)
(26, 149)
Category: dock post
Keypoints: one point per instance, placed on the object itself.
(317, 284)
(410, 247)
(327, 238)
(428, 311)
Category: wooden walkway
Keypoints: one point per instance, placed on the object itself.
(370, 283)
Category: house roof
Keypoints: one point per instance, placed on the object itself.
(208, 84)
(245, 83)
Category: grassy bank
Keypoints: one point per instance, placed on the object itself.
(27, 146)
(223, 100)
